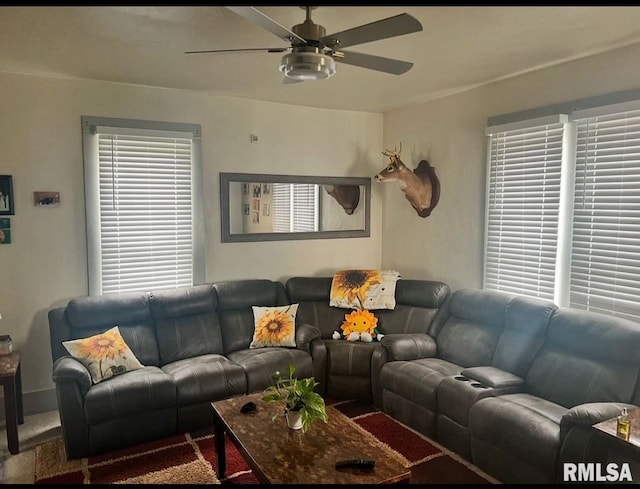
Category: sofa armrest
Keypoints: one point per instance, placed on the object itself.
(409, 346)
(305, 334)
(588, 414)
(68, 369)
(492, 377)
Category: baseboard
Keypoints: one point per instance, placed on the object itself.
(36, 402)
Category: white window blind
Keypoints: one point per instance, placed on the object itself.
(295, 207)
(281, 210)
(605, 265)
(143, 191)
(305, 215)
(522, 210)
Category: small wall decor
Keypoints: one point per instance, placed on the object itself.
(46, 199)
(5, 230)
(6, 195)
(420, 186)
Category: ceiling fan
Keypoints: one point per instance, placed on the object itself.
(313, 54)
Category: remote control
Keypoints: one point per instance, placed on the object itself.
(248, 407)
(356, 464)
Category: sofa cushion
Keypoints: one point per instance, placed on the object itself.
(131, 393)
(129, 311)
(186, 322)
(206, 378)
(525, 426)
(588, 357)
(274, 326)
(525, 331)
(235, 300)
(104, 355)
(417, 380)
(261, 364)
(470, 326)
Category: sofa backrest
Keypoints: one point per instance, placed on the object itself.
(312, 293)
(186, 322)
(588, 357)
(235, 313)
(417, 303)
(87, 316)
(525, 330)
(479, 327)
(469, 326)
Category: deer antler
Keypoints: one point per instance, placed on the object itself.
(389, 153)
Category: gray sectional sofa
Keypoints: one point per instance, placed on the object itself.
(514, 385)
(511, 384)
(194, 344)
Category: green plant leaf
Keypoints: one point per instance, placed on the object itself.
(297, 394)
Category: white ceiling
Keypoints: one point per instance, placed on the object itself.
(459, 47)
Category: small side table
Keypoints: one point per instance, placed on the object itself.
(10, 378)
(612, 448)
(608, 429)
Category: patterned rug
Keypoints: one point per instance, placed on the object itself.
(191, 458)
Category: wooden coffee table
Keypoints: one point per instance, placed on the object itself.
(278, 455)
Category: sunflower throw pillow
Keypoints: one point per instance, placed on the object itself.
(104, 355)
(274, 326)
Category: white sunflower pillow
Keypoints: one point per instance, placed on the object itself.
(274, 326)
(105, 354)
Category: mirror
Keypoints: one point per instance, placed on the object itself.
(263, 207)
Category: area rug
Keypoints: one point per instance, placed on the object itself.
(191, 458)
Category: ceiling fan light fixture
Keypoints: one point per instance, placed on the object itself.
(307, 66)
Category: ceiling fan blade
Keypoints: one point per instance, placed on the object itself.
(246, 50)
(378, 63)
(255, 16)
(382, 29)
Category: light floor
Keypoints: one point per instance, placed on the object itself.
(37, 429)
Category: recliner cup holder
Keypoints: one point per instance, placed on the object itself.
(478, 385)
(462, 378)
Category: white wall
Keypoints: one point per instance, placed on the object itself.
(449, 244)
(41, 146)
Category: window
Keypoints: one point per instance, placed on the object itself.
(143, 199)
(524, 198)
(295, 207)
(563, 209)
(605, 257)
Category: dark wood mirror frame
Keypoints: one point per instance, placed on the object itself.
(227, 178)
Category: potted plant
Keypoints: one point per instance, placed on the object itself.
(302, 405)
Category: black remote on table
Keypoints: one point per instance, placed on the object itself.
(356, 464)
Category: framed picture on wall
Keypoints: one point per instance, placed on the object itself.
(5, 230)
(6, 195)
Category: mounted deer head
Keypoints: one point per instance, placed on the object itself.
(348, 196)
(420, 186)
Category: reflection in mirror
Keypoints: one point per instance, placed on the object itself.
(257, 207)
